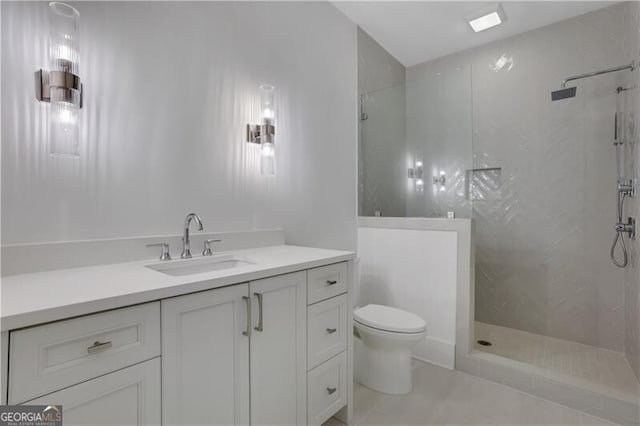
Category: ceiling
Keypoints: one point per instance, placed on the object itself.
(418, 31)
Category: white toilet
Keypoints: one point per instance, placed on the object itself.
(383, 342)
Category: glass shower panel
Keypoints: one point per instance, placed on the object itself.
(415, 147)
(439, 134)
(382, 147)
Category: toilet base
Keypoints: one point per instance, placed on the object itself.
(381, 370)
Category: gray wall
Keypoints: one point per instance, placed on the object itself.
(168, 91)
(377, 68)
(542, 246)
(382, 173)
(632, 154)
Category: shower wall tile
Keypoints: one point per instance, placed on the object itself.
(169, 88)
(632, 156)
(542, 247)
(377, 68)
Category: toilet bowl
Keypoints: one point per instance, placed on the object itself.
(384, 337)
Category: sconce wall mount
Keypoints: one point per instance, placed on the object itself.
(416, 174)
(259, 133)
(67, 85)
(440, 180)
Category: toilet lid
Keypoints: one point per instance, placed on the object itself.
(389, 319)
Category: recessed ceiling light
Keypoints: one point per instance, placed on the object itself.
(487, 18)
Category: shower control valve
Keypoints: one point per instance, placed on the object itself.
(628, 228)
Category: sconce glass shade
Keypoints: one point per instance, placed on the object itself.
(268, 150)
(267, 111)
(64, 132)
(63, 37)
(267, 159)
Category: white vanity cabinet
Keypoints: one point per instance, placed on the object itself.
(49, 357)
(271, 351)
(328, 338)
(103, 368)
(278, 350)
(130, 396)
(205, 358)
(208, 376)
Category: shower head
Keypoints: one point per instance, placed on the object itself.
(569, 92)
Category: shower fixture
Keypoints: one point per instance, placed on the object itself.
(621, 228)
(626, 188)
(570, 92)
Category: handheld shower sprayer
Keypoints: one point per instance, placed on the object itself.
(626, 188)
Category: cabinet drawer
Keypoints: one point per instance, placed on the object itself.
(49, 357)
(327, 389)
(125, 397)
(326, 281)
(326, 330)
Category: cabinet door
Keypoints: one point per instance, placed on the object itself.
(130, 396)
(205, 358)
(278, 350)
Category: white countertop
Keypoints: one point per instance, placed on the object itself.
(30, 299)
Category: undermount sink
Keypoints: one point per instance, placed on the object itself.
(199, 265)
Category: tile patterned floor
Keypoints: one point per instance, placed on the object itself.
(596, 366)
(449, 397)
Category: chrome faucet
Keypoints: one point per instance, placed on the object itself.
(186, 243)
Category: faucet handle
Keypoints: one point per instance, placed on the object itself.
(207, 246)
(164, 250)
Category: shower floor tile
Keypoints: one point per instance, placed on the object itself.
(592, 365)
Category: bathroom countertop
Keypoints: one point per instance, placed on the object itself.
(34, 298)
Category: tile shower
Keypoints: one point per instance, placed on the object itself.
(539, 180)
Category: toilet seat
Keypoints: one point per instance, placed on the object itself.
(389, 319)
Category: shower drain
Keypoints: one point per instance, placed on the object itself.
(484, 342)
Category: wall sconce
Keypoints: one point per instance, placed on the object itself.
(416, 173)
(440, 180)
(60, 85)
(264, 133)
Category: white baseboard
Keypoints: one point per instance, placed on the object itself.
(436, 352)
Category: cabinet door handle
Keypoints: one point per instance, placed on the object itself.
(247, 301)
(332, 282)
(331, 390)
(331, 330)
(98, 347)
(259, 327)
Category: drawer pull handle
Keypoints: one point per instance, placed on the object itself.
(260, 325)
(247, 301)
(331, 390)
(331, 330)
(332, 282)
(98, 347)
